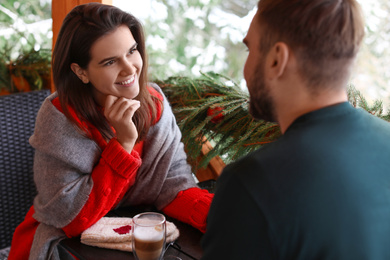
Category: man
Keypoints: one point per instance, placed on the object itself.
(322, 191)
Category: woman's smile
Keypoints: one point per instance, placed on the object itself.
(127, 83)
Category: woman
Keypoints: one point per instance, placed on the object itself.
(105, 139)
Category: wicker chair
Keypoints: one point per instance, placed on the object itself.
(17, 115)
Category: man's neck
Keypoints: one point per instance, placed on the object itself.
(289, 111)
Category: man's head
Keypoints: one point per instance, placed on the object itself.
(323, 35)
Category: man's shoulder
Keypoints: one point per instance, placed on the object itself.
(250, 167)
(371, 120)
(266, 153)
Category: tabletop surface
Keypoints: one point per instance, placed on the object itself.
(187, 246)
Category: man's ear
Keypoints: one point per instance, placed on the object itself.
(277, 59)
(80, 73)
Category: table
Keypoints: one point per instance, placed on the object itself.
(187, 245)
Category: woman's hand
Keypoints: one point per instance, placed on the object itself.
(119, 112)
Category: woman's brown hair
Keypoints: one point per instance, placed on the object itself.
(81, 28)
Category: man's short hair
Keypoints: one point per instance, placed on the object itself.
(325, 35)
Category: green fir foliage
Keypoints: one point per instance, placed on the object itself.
(215, 107)
(212, 107)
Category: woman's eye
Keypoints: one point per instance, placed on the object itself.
(134, 49)
(109, 63)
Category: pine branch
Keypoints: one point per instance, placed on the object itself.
(214, 107)
(231, 129)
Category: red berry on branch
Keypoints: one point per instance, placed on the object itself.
(216, 114)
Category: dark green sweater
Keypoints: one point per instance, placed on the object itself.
(322, 191)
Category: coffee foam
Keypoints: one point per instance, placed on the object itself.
(148, 233)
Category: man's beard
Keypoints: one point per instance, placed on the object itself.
(261, 105)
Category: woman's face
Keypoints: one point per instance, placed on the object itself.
(115, 66)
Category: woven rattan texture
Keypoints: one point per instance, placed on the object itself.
(17, 119)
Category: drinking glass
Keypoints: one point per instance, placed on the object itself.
(149, 233)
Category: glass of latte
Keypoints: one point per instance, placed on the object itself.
(149, 236)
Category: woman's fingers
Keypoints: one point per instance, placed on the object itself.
(110, 100)
(118, 109)
(129, 109)
(119, 113)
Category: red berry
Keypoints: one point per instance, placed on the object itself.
(216, 114)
